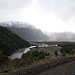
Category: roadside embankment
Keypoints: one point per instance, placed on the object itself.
(36, 70)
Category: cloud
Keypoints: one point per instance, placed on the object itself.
(62, 8)
(63, 36)
(13, 4)
(10, 9)
(48, 15)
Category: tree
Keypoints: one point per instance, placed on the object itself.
(56, 53)
(10, 42)
(1, 53)
(63, 53)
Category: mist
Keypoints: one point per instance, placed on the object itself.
(63, 36)
(50, 19)
(47, 15)
(31, 33)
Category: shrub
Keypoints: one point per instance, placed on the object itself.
(63, 53)
(56, 53)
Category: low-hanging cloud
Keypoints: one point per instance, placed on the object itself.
(48, 15)
(62, 8)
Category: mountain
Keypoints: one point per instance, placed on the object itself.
(25, 31)
(30, 33)
(10, 42)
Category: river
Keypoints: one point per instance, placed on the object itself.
(20, 52)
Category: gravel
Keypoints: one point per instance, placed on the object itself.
(65, 69)
(60, 67)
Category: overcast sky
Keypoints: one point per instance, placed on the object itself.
(48, 15)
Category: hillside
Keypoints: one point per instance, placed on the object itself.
(10, 42)
(64, 66)
(25, 31)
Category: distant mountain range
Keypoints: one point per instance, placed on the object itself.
(29, 32)
(25, 31)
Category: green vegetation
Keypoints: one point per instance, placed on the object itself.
(56, 53)
(59, 43)
(10, 42)
(63, 53)
(31, 57)
(68, 48)
(27, 60)
(1, 53)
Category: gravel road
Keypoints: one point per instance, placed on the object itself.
(60, 67)
(65, 69)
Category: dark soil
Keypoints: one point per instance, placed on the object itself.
(59, 67)
(65, 69)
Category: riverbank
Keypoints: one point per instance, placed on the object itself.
(18, 54)
(49, 50)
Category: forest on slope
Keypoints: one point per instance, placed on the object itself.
(10, 42)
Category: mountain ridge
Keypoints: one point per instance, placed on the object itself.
(31, 33)
(25, 31)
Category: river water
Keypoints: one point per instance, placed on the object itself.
(20, 52)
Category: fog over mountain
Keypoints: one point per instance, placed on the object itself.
(63, 36)
(25, 31)
(29, 32)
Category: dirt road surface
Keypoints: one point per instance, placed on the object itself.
(60, 67)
